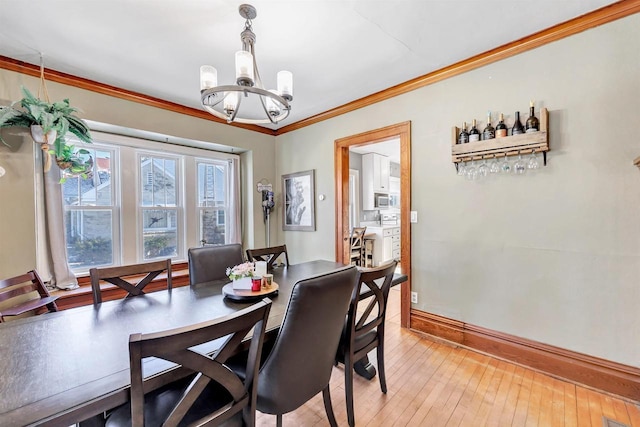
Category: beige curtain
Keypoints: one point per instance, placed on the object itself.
(51, 242)
(235, 211)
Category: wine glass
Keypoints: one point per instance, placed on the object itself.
(533, 161)
(483, 169)
(494, 166)
(461, 169)
(505, 166)
(471, 171)
(519, 167)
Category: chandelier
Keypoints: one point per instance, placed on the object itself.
(224, 101)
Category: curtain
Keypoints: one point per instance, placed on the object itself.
(52, 247)
(235, 211)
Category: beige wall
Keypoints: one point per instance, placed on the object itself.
(17, 205)
(552, 256)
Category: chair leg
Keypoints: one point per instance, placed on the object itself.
(279, 420)
(326, 396)
(383, 379)
(348, 390)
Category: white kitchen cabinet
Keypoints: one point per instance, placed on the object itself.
(375, 178)
(386, 244)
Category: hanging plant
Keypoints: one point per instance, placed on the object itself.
(48, 123)
(73, 163)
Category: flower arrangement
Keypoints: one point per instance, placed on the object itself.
(241, 270)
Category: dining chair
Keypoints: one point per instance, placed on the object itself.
(124, 277)
(364, 328)
(299, 361)
(24, 293)
(214, 394)
(209, 263)
(270, 255)
(356, 245)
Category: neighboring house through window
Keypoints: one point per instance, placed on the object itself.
(146, 200)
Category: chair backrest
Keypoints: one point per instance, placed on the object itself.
(176, 346)
(124, 276)
(357, 237)
(209, 263)
(24, 293)
(299, 365)
(374, 282)
(268, 254)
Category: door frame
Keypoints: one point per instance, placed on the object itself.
(341, 164)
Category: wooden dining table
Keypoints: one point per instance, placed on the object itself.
(61, 368)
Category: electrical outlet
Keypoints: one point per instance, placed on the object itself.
(414, 216)
(414, 297)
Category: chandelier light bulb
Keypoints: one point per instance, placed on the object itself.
(208, 77)
(244, 68)
(285, 84)
(230, 102)
(272, 107)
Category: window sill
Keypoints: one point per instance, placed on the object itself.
(83, 295)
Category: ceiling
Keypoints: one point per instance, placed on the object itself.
(338, 50)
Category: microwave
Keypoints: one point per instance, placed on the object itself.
(380, 200)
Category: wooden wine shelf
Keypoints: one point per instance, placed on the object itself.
(509, 145)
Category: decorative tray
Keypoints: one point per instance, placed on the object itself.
(246, 295)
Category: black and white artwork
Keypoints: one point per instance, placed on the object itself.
(299, 192)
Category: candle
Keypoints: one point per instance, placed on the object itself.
(261, 268)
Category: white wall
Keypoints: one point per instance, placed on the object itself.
(552, 256)
(17, 205)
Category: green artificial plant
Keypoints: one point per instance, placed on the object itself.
(58, 116)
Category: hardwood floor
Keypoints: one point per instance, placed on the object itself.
(435, 384)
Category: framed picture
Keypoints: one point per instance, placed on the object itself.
(299, 194)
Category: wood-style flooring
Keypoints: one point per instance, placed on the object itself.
(434, 384)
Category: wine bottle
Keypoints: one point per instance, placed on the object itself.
(532, 124)
(517, 128)
(488, 132)
(474, 134)
(463, 138)
(501, 128)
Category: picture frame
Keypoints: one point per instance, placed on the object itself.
(298, 190)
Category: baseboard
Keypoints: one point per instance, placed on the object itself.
(605, 375)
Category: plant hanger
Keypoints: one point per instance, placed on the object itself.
(45, 145)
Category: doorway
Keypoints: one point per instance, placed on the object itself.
(401, 131)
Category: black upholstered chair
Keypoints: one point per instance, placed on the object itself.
(209, 263)
(300, 360)
(121, 277)
(364, 328)
(270, 255)
(215, 394)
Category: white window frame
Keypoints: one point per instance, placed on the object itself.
(224, 207)
(178, 208)
(128, 242)
(115, 207)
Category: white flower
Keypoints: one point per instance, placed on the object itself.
(242, 270)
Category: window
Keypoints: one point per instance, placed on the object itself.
(212, 201)
(159, 206)
(91, 213)
(146, 200)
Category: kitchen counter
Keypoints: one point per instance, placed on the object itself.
(386, 242)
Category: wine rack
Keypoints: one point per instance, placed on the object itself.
(506, 146)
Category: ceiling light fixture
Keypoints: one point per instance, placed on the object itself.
(224, 101)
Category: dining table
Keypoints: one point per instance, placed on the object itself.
(64, 367)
